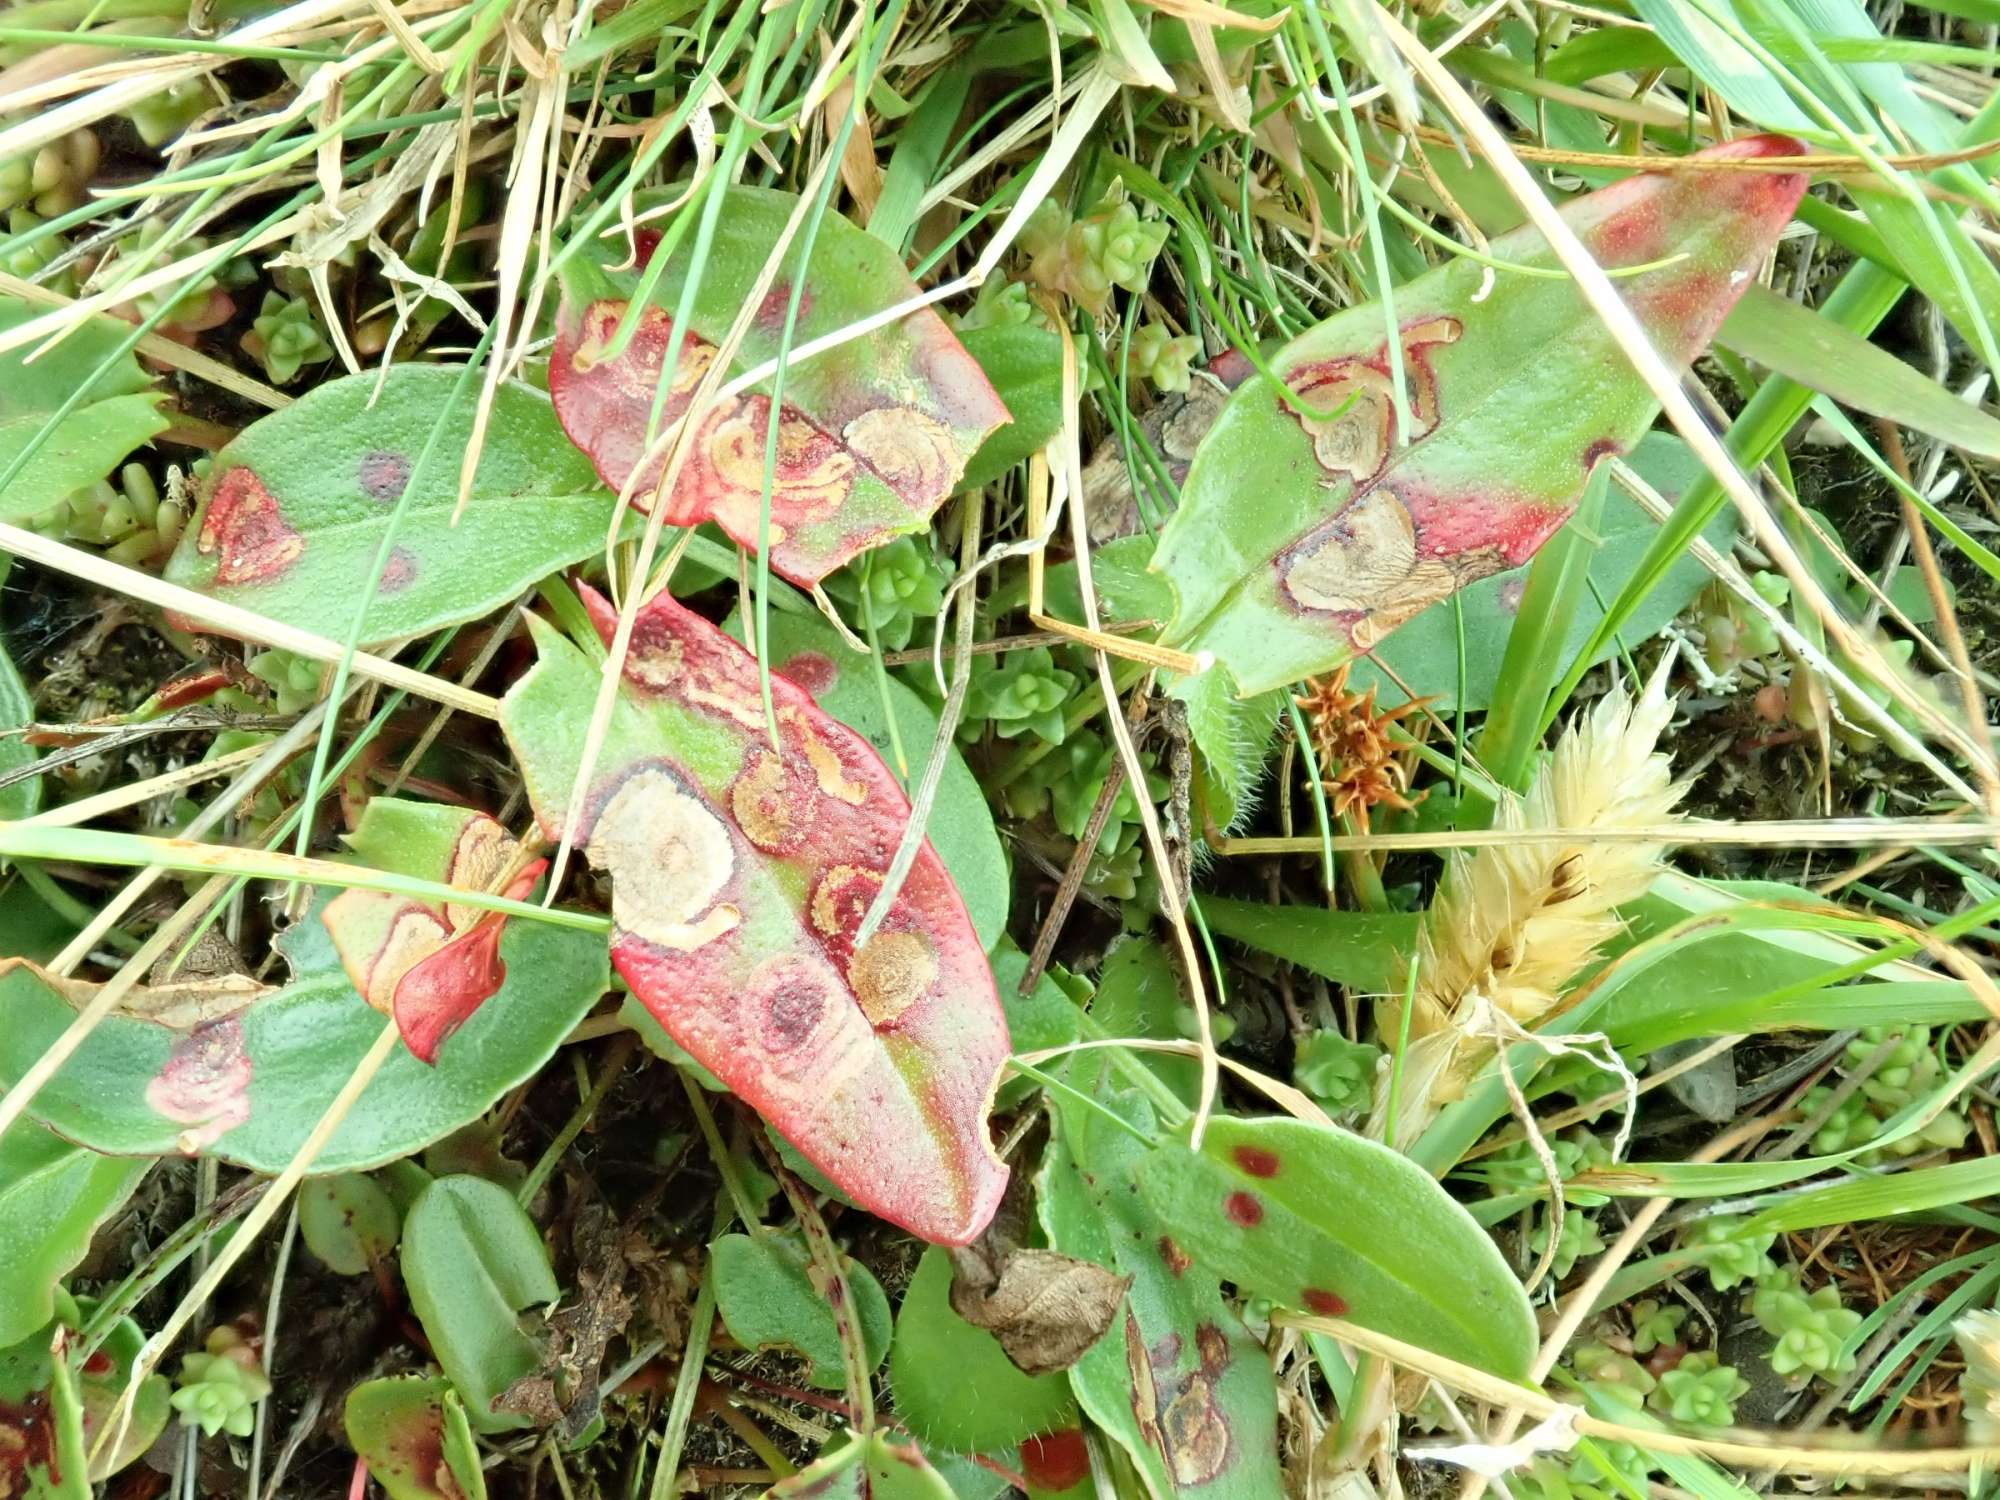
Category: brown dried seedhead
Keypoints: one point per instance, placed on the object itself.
(1361, 767)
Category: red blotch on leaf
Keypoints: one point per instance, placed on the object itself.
(398, 572)
(1056, 1460)
(1326, 1304)
(1244, 1209)
(247, 530)
(192, 688)
(384, 476)
(1255, 1160)
(204, 1084)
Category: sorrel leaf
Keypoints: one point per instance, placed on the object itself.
(473, 1260)
(246, 1077)
(429, 966)
(739, 875)
(843, 683)
(872, 435)
(19, 798)
(52, 1198)
(767, 1299)
(51, 1414)
(412, 1432)
(1178, 1383)
(1324, 1221)
(293, 512)
(119, 412)
(1305, 536)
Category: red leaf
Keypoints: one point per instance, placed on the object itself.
(873, 433)
(739, 875)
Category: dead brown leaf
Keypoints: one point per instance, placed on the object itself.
(1045, 1309)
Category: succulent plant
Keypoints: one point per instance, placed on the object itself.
(296, 680)
(129, 519)
(1579, 1238)
(1733, 634)
(1338, 1073)
(218, 1390)
(1003, 302)
(890, 589)
(1599, 1365)
(1907, 1070)
(1700, 1392)
(53, 180)
(164, 115)
(1728, 1250)
(1656, 1325)
(1810, 1327)
(1163, 358)
(1085, 258)
(1021, 692)
(285, 338)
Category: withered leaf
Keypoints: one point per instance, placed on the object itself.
(1045, 1308)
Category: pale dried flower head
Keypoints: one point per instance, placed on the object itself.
(1978, 1335)
(1516, 922)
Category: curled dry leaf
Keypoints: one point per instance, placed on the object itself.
(739, 876)
(872, 434)
(429, 966)
(1309, 530)
(1045, 1308)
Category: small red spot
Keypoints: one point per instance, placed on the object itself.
(99, 1365)
(398, 572)
(1601, 449)
(245, 524)
(1056, 1461)
(812, 670)
(1326, 1304)
(644, 243)
(1177, 1259)
(384, 475)
(1256, 1160)
(1244, 1209)
(771, 311)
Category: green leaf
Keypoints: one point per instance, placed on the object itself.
(1139, 995)
(249, 1086)
(17, 710)
(1750, 968)
(118, 413)
(1232, 737)
(349, 1222)
(1799, 344)
(1178, 1382)
(740, 873)
(412, 1433)
(873, 433)
(865, 1468)
(1363, 950)
(1044, 1017)
(473, 1260)
(1714, 56)
(1320, 1219)
(430, 965)
(844, 684)
(52, 1198)
(51, 1414)
(1025, 365)
(1424, 654)
(767, 1299)
(938, 1358)
(1303, 540)
(293, 512)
